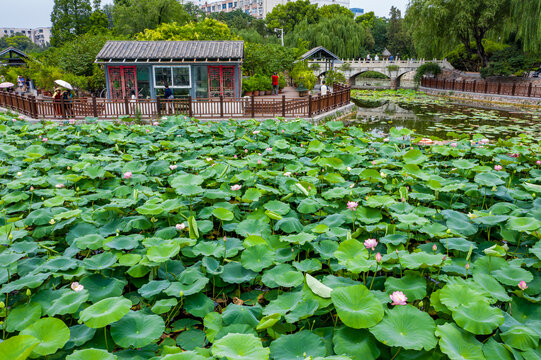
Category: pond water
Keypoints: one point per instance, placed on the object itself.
(378, 112)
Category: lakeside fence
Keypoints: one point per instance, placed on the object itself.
(215, 108)
(483, 87)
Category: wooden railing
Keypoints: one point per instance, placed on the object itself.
(215, 108)
(483, 87)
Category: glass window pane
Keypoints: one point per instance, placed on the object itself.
(181, 76)
(163, 76)
(201, 82)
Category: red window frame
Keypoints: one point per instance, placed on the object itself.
(222, 74)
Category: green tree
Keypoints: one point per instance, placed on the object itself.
(268, 58)
(288, 15)
(18, 41)
(340, 34)
(69, 18)
(525, 21)
(134, 16)
(378, 27)
(327, 11)
(398, 40)
(437, 26)
(208, 29)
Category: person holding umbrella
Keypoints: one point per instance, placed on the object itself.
(56, 99)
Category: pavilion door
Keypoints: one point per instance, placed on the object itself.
(221, 81)
(122, 81)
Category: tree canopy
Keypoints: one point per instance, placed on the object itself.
(69, 19)
(208, 29)
(135, 16)
(292, 13)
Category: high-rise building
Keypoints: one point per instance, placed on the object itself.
(40, 36)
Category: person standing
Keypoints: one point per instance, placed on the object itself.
(57, 102)
(368, 57)
(275, 87)
(168, 93)
(20, 83)
(324, 89)
(376, 58)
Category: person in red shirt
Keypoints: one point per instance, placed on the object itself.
(275, 84)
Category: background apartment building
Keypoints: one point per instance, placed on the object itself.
(257, 8)
(40, 36)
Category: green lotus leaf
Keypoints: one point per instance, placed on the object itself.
(459, 244)
(411, 284)
(91, 354)
(379, 201)
(79, 335)
(299, 239)
(164, 305)
(100, 287)
(414, 156)
(495, 250)
(235, 273)
(356, 344)
(191, 339)
(52, 334)
(283, 303)
(68, 302)
(478, 317)
(223, 214)
(153, 288)
(406, 327)
(22, 316)
(455, 296)
(488, 179)
(297, 346)
(492, 287)
(520, 337)
(163, 252)
(186, 355)
(318, 287)
(198, 305)
(190, 281)
(278, 207)
(18, 347)
(257, 258)
(523, 223)
(420, 259)
(268, 321)
(308, 206)
(105, 312)
(137, 329)
(282, 275)
(411, 219)
(302, 310)
(368, 215)
(458, 344)
(512, 275)
(464, 164)
(240, 347)
(90, 241)
(101, 261)
(357, 307)
(353, 255)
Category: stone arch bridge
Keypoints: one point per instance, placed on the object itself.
(351, 68)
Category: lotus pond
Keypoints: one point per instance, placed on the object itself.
(379, 111)
(266, 240)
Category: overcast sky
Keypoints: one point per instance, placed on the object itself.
(35, 13)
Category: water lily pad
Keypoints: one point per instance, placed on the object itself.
(18, 347)
(137, 329)
(478, 317)
(297, 346)
(356, 344)
(91, 354)
(458, 344)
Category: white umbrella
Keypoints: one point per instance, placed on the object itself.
(6, 85)
(64, 84)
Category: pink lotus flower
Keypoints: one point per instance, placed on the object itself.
(352, 205)
(236, 187)
(269, 149)
(454, 145)
(127, 175)
(31, 188)
(484, 141)
(209, 159)
(522, 285)
(246, 151)
(373, 162)
(514, 155)
(378, 257)
(434, 247)
(59, 186)
(39, 136)
(467, 266)
(259, 161)
(255, 132)
(75, 286)
(302, 145)
(155, 123)
(180, 227)
(370, 244)
(147, 130)
(283, 131)
(538, 162)
(259, 154)
(288, 174)
(72, 121)
(172, 167)
(398, 298)
(309, 188)
(21, 117)
(44, 139)
(386, 140)
(498, 167)
(235, 156)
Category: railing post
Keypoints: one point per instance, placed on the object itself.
(126, 105)
(94, 106)
(221, 106)
(62, 107)
(253, 106)
(283, 106)
(34, 108)
(474, 86)
(463, 84)
(530, 90)
(499, 87)
(310, 106)
(486, 87)
(514, 88)
(190, 110)
(158, 106)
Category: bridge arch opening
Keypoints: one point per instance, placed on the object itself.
(353, 79)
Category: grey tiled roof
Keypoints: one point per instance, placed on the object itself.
(171, 50)
(323, 52)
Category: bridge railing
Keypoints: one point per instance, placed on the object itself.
(483, 87)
